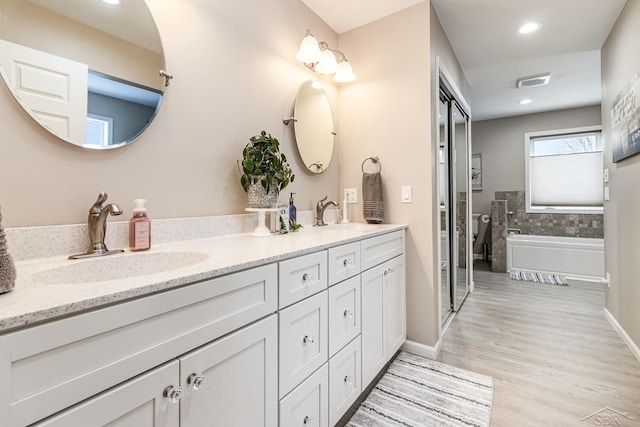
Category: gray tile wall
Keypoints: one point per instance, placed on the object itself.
(552, 224)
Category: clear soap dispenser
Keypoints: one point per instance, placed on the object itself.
(139, 227)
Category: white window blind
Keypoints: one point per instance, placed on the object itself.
(564, 171)
(566, 180)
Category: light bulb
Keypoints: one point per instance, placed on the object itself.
(327, 63)
(344, 73)
(309, 52)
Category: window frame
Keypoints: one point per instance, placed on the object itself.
(528, 137)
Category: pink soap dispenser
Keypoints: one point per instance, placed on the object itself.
(139, 227)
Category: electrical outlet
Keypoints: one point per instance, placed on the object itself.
(351, 195)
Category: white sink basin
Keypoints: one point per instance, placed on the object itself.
(116, 267)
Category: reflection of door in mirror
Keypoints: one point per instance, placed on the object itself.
(120, 50)
(314, 127)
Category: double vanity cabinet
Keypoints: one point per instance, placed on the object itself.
(291, 342)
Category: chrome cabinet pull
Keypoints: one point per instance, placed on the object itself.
(347, 313)
(195, 381)
(308, 339)
(307, 276)
(348, 379)
(174, 394)
(307, 421)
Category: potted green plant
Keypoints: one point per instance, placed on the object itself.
(265, 171)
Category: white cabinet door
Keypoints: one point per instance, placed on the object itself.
(374, 345)
(139, 402)
(383, 315)
(395, 300)
(233, 381)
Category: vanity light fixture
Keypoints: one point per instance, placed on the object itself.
(530, 27)
(111, 1)
(319, 57)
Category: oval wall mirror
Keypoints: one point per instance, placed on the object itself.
(86, 70)
(314, 127)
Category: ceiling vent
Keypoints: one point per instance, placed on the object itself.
(533, 81)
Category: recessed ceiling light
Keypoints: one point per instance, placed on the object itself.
(112, 1)
(530, 27)
(525, 101)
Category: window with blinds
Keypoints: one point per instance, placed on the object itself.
(564, 171)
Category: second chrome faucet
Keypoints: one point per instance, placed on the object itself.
(320, 208)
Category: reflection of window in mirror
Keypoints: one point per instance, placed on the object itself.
(99, 130)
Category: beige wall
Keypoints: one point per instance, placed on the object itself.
(388, 112)
(501, 143)
(620, 63)
(235, 74)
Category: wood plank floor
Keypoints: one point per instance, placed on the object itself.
(552, 354)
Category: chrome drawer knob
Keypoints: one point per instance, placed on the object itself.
(307, 421)
(195, 381)
(307, 276)
(348, 379)
(348, 313)
(174, 394)
(308, 339)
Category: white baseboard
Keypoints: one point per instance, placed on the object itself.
(422, 350)
(635, 350)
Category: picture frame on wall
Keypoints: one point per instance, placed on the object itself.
(476, 172)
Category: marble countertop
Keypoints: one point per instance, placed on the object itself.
(43, 292)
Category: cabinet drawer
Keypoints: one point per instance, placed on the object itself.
(344, 313)
(344, 262)
(239, 380)
(381, 248)
(139, 402)
(50, 367)
(308, 404)
(345, 383)
(302, 277)
(303, 340)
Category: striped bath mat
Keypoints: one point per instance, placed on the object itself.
(420, 392)
(553, 279)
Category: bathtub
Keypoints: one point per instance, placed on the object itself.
(573, 257)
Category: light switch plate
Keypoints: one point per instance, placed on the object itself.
(605, 175)
(606, 193)
(351, 195)
(405, 191)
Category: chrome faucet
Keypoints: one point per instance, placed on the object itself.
(97, 223)
(320, 207)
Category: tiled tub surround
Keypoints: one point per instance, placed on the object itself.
(549, 224)
(499, 236)
(32, 301)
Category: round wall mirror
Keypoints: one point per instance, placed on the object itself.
(86, 70)
(314, 127)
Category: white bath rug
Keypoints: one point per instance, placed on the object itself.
(553, 279)
(418, 392)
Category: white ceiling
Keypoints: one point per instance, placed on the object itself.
(483, 34)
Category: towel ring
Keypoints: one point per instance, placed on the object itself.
(374, 160)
